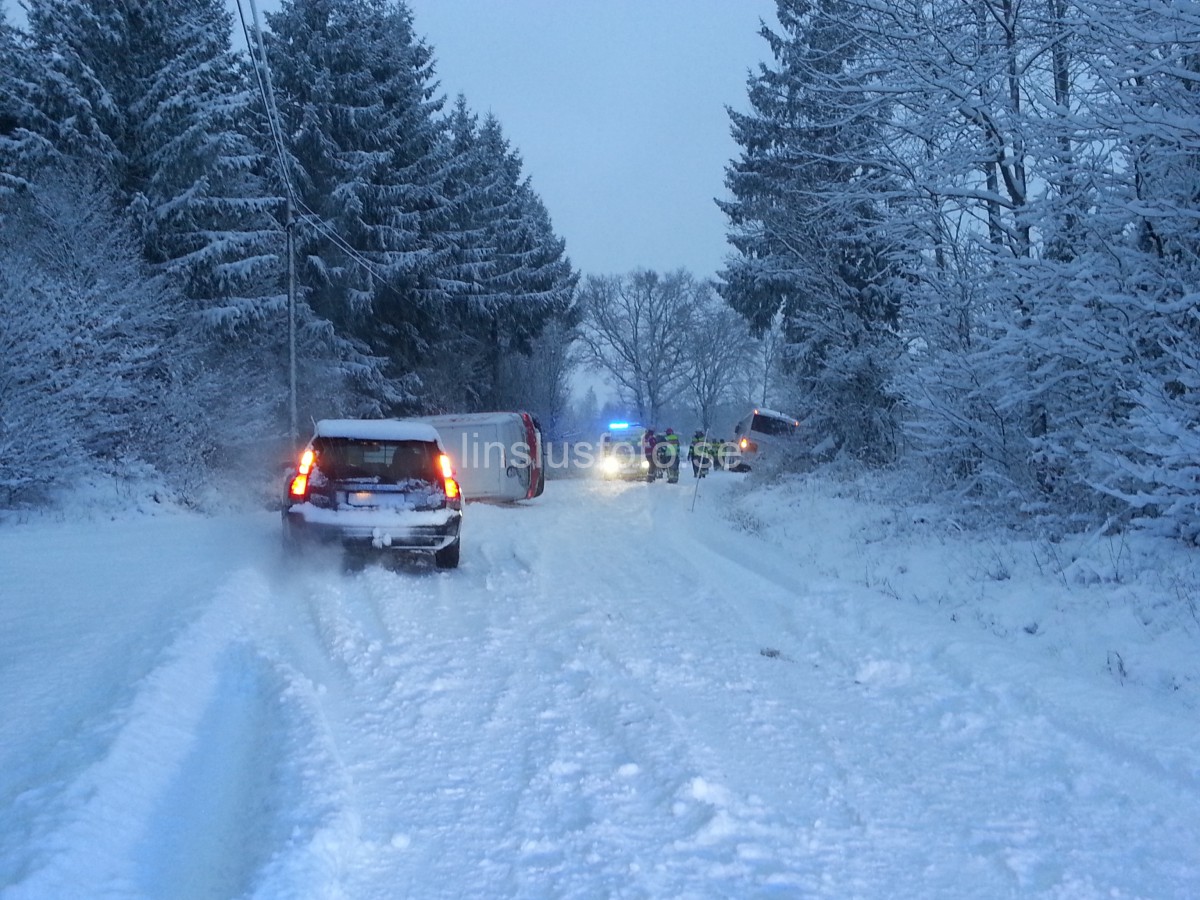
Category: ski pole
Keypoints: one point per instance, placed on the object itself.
(696, 492)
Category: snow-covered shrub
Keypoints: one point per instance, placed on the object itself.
(82, 327)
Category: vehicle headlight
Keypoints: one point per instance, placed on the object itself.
(609, 464)
(645, 463)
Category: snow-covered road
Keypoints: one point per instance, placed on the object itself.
(614, 696)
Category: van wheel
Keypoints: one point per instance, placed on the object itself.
(447, 557)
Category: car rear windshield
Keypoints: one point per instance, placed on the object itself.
(395, 461)
(773, 426)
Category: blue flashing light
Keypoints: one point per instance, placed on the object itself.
(617, 426)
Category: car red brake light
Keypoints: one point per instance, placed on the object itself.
(299, 487)
(453, 494)
(298, 490)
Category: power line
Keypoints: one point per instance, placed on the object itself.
(263, 77)
(262, 74)
(319, 224)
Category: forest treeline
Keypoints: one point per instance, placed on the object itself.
(976, 225)
(145, 195)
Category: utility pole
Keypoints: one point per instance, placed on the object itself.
(268, 91)
(293, 421)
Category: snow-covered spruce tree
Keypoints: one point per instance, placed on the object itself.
(807, 219)
(636, 328)
(212, 215)
(355, 89)
(459, 376)
(75, 44)
(171, 128)
(533, 277)
(84, 352)
(507, 275)
(22, 148)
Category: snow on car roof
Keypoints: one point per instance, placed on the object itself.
(773, 413)
(460, 419)
(377, 429)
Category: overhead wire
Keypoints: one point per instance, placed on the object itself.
(267, 99)
(262, 75)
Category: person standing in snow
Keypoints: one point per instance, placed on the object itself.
(649, 440)
(667, 452)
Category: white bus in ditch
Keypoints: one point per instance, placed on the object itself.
(497, 456)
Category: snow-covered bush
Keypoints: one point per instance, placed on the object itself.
(82, 332)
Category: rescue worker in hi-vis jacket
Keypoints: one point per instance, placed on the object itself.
(667, 455)
(649, 440)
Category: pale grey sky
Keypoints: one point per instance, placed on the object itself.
(616, 106)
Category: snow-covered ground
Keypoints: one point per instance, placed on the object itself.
(790, 692)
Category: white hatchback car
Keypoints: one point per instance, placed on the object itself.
(376, 485)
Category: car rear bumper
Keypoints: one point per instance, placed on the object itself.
(433, 530)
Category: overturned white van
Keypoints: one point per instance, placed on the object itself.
(497, 456)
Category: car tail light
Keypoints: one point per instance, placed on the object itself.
(299, 488)
(453, 494)
(531, 443)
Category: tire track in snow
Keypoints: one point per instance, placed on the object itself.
(583, 709)
(390, 657)
(623, 788)
(498, 715)
(183, 797)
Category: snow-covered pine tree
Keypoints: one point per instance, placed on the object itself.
(355, 89)
(531, 282)
(463, 376)
(199, 155)
(807, 218)
(150, 96)
(507, 275)
(22, 148)
(212, 215)
(75, 43)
